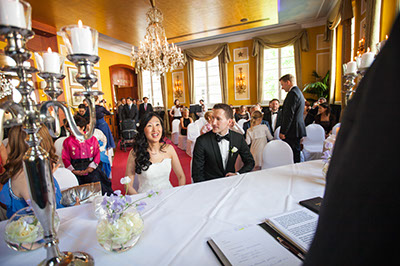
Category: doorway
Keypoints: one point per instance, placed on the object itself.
(123, 82)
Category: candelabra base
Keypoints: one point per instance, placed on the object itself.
(77, 258)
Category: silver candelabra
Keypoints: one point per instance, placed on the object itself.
(36, 161)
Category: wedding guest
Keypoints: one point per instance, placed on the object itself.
(130, 111)
(15, 192)
(101, 111)
(257, 137)
(307, 108)
(151, 158)
(207, 126)
(83, 158)
(312, 113)
(246, 125)
(325, 118)
(82, 112)
(292, 127)
(185, 121)
(105, 160)
(273, 115)
(120, 109)
(203, 109)
(242, 114)
(215, 152)
(176, 110)
(145, 107)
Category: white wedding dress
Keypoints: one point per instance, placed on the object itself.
(156, 178)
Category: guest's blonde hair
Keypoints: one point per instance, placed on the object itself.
(255, 116)
(208, 116)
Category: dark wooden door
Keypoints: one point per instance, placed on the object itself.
(123, 81)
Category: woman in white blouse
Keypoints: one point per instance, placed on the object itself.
(176, 110)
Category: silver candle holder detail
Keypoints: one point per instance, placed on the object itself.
(36, 161)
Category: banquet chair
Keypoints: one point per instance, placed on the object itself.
(58, 144)
(335, 127)
(193, 132)
(313, 143)
(241, 122)
(200, 122)
(175, 131)
(276, 133)
(181, 140)
(65, 178)
(276, 153)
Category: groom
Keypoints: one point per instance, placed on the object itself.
(215, 152)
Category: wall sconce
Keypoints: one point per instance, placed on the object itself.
(241, 82)
(178, 91)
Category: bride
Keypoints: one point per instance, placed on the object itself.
(151, 158)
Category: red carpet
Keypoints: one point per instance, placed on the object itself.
(121, 157)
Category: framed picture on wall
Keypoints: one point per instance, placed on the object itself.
(71, 73)
(242, 82)
(241, 54)
(64, 52)
(178, 86)
(76, 100)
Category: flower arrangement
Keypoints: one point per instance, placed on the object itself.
(24, 232)
(122, 225)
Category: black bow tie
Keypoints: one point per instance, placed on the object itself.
(219, 138)
(274, 113)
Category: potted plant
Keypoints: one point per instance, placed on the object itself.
(320, 87)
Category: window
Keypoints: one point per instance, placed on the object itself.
(152, 88)
(277, 62)
(207, 85)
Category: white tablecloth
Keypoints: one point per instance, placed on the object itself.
(179, 221)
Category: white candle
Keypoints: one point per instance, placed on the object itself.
(12, 13)
(81, 38)
(51, 62)
(367, 59)
(351, 68)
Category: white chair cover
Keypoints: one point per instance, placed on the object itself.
(58, 144)
(335, 128)
(276, 133)
(175, 131)
(277, 153)
(313, 144)
(65, 178)
(193, 132)
(201, 122)
(241, 122)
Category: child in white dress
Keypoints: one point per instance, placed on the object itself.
(257, 135)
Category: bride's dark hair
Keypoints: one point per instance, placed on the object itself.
(140, 144)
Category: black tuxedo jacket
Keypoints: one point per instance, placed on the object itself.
(292, 114)
(267, 117)
(130, 113)
(207, 160)
(142, 111)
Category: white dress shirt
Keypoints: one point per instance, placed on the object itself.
(224, 149)
(273, 120)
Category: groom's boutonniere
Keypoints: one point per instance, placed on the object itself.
(233, 150)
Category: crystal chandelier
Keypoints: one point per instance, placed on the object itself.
(155, 54)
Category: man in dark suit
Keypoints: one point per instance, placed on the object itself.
(292, 128)
(273, 115)
(215, 152)
(130, 110)
(145, 107)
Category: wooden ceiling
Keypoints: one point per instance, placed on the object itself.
(184, 20)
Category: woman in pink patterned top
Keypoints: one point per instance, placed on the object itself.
(83, 158)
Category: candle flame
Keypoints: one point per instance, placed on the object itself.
(368, 50)
(80, 25)
(49, 50)
(387, 37)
